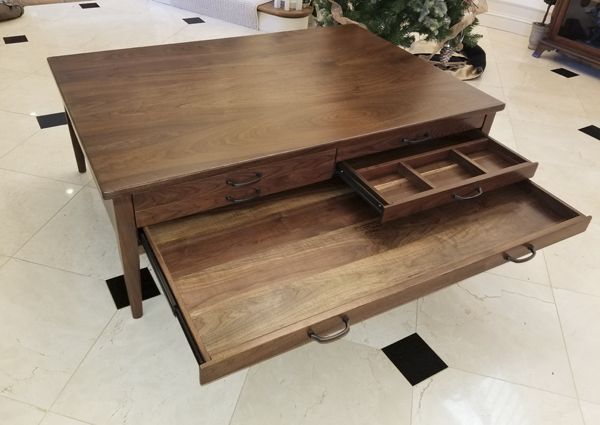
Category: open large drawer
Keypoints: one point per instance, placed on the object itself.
(254, 281)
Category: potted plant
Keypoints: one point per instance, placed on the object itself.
(538, 29)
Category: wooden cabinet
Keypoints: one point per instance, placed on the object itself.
(574, 30)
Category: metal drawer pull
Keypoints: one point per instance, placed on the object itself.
(416, 140)
(464, 198)
(239, 200)
(530, 257)
(256, 179)
(332, 337)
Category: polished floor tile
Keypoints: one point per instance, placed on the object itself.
(14, 130)
(498, 327)
(343, 383)
(575, 263)
(49, 319)
(32, 95)
(460, 398)
(386, 328)
(580, 320)
(54, 419)
(16, 413)
(48, 153)
(534, 271)
(26, 204)
(591, 413)
(80, 239)
(143, 372)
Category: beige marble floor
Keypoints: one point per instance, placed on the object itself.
(522, 341)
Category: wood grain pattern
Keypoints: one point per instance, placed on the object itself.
(304, 257)
(411, 183)
(178, 200)
(128, 248)
(175, 112)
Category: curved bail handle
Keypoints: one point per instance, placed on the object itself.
(333, 336)
(530, 257)
(478, 193)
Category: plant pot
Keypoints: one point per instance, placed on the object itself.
(538, 31)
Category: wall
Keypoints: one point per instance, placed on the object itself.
(513, 15)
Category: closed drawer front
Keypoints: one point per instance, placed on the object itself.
(238, 186)
(253, 283)
(466, 167)
(409, 136)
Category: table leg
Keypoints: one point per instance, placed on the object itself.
(79, 157)
(128, 247)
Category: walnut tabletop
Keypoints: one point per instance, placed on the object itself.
(151, 115)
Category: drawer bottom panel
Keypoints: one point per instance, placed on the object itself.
(253, 282)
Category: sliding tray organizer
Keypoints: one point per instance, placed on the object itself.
(458, 171)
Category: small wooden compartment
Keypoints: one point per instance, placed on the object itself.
(452, 170)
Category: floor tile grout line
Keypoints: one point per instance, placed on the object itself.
(56, 268)
(2, 395)
(531, 387)
(564, 340)
(47, 221)
(69, 417)
(21, 143)
(239, 396)
(83, 358)
(41, 177)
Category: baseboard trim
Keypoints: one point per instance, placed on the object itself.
(508, 16)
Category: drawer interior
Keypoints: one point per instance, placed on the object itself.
(251, 281)
(429, 178)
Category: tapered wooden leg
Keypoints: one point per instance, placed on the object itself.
(487, 123)
(79, 157)
(128, 247)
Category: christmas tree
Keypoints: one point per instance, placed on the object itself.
(398, 20)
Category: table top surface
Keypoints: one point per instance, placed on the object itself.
(156, 115)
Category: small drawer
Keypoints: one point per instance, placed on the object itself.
(234, 187)
(410, 136)
(457, 172)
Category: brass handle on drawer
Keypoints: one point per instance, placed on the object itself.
(416, 140)
(477, 194)
(530, 257)
(239, 200)
(331, 337)
(256, 179)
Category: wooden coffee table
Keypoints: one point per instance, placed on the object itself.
(221, 156)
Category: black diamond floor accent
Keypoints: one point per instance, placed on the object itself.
(193, 20)
(52, 120)
(565, 72)
(88, 5)
(414, 359)
(591, 130)
(15, 39)
(118, 291)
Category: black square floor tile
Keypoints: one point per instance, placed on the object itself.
(565, 72)
(193, 20)
(52, 120)
(591, 130)
(15, 39)
(414, 359)
(88, 5)
(117, 288)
